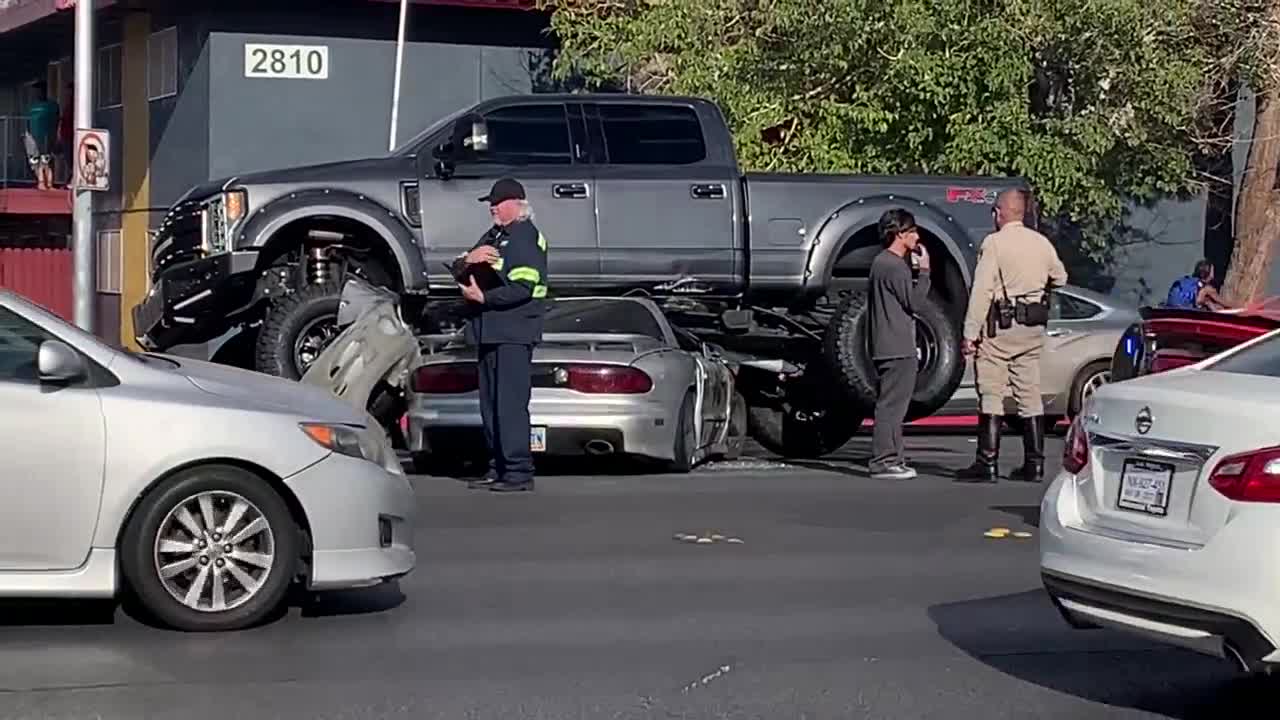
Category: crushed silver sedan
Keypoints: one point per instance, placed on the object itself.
(612, 376)
(204, 489)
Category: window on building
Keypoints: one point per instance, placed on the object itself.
(162, 64)
(110, 256)
(652, 135)
(108, 77)
(61, 73)
(528, 135)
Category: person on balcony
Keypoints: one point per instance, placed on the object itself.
(42, 126)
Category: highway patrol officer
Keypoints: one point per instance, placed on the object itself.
(504, 280)
(1005, 328)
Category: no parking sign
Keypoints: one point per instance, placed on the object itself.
(92, 159)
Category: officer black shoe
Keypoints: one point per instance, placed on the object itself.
(984, 468)
(1032, 469)
(507, 487)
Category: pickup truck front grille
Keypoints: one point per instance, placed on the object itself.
(180, 237)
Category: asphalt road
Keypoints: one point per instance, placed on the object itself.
(846, 598)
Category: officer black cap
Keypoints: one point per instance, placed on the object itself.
(504, 189)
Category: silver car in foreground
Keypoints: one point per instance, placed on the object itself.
(611, 376)
(205, 489)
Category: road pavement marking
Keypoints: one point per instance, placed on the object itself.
(1000, 532)
(707, 539)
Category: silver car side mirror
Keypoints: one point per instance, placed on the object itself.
(56, 362)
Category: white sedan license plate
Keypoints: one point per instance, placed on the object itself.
(1144, 487)
(538, 439)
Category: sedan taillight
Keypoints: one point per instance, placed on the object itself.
(1249, 477)
(1075, 451)
(448, 379)
(605, 379)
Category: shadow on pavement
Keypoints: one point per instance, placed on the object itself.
(70, 613)
(1023, 636)
(360, 601)
(47, 613)
(1028, 514)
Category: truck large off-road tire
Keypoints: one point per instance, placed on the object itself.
(296, 328)
(847, 349)
(807, 423)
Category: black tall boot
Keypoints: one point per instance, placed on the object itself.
(984, 468)
(1032, 469)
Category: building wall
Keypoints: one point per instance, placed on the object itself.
(261, 124)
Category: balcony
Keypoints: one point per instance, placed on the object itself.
(18, 193)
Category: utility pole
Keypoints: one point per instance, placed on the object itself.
(395, 90)
(82, 211)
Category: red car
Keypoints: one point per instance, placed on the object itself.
(1168, 338)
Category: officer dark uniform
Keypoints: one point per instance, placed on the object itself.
(505, 328)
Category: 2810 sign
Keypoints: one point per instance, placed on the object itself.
(298, 62)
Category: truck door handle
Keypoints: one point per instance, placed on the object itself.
(1058, 332)
(569, 190)
(712, 191)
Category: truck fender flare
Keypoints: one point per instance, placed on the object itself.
(270, 218)
(840, 226)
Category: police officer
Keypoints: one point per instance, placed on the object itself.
(504, 280)
(1005, 328)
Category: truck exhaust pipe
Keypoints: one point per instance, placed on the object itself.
(599, 447)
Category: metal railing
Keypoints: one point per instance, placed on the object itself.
(15, 165)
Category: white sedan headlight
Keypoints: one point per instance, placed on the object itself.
(357, 442)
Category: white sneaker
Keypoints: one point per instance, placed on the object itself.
(893, 472)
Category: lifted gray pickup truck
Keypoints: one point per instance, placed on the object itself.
(636, 194)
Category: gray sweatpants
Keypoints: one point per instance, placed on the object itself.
(897, 381)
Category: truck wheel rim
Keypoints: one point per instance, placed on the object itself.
(314, 337)
(214, 551)
(926, 348)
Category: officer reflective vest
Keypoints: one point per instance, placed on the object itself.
(514, 287)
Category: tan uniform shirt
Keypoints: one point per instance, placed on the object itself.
(1026, 261)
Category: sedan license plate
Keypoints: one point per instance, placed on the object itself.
(538, 439)
(1145, 486)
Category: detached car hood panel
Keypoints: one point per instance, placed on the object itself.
(376, 346)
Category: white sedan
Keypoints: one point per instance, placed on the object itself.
(1163, 517)
(205, 490)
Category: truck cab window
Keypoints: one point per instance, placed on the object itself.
(527, 135)
(642, 134)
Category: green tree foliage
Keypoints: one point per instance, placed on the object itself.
(1094, 101)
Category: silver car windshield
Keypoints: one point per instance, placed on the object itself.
(624, 317)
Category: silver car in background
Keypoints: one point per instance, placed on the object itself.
(1084, 328)
(207, 490)
(612, 376)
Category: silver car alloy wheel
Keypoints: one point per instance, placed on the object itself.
(214, 550)
(1092, 383)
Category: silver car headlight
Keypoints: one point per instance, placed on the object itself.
(361, 443)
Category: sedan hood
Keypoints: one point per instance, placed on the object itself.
(257, 390)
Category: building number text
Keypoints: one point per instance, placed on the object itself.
(307, 62)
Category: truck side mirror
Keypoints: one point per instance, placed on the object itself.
(470, 137)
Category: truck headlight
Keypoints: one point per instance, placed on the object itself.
(360, 443)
